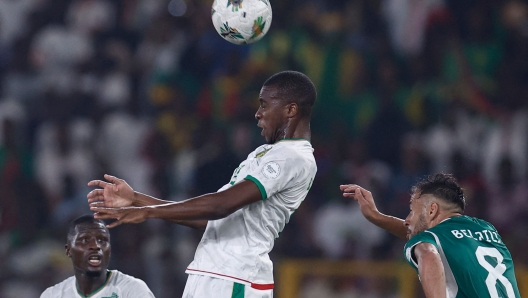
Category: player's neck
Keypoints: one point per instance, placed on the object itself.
(301, 131)
(87, 285)
(443, 216)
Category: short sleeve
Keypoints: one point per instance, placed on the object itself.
(46, 294)
(423, 237)
(138, 289)
(275, 171)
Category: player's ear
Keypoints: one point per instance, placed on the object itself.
(433, 210)
(292, 110)
(67, 248)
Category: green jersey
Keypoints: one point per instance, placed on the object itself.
(476, 261)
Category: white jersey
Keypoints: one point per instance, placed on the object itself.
(236, 247)
(117, 285)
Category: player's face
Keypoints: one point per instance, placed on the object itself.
(272, 115)
(416, 221)
(90, 249)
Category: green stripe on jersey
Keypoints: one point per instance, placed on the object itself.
(108, 275)
(259, 185)
(238, 290)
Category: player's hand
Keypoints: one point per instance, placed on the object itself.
(363, 197)
(113, 194)
(121, 215)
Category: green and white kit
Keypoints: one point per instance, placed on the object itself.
(476, 261)
(236, 247)
(117, 285)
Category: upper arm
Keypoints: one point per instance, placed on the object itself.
(281, 169)
(425, 250)
(239, 195)
(431, 270)
(263, 177)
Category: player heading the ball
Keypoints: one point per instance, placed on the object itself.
(243, 219)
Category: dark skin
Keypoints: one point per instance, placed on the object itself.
(426, 211)
(278, 118)
(89, 249)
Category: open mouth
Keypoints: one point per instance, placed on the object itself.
(95, 260)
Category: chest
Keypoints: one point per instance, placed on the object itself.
(253, 162)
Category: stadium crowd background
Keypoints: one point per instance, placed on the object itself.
(147, 91)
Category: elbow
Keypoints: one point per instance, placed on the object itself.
(219, 212)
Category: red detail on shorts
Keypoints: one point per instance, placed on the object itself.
(253, 285)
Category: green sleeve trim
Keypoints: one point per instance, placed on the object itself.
(259, 185)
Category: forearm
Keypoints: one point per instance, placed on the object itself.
(202, 208)
(142, 200)
(390, 224)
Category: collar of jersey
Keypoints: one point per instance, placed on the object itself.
(298, 139)
(108, 275)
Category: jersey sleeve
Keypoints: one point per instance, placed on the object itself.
(423, 237)
(274, 172)
(137, 288)
(47, 293)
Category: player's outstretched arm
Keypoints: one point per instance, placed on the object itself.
(143, 200)
(431, 270)
(368, 208)
(206, 207)
(117, 193)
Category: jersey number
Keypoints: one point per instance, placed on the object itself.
(495, 273)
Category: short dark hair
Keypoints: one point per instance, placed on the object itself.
(443, 186)
(84, 219)
(294, 86)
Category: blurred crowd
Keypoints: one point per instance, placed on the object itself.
(146, 90)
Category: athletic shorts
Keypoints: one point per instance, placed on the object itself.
(201, 286)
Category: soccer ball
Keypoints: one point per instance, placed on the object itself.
(241, 21)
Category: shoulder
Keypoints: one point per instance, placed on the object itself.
(299, 152)
(484, 224)
(426, 236)
(132, 284)
(56, 290)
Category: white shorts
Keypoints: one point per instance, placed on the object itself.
(201, 286)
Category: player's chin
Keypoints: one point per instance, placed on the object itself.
(94, 272)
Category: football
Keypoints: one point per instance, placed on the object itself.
(241, 21)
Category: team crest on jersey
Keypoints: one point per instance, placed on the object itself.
(262, 153)
(114, 295)
(271, 170)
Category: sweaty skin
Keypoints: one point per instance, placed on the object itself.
(90, 251)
